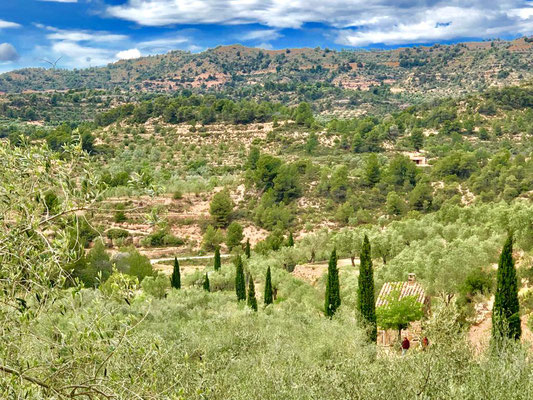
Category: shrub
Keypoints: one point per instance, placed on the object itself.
(117, 233)
(162, 237)
(221, 208)
(156, 285)
(120, 286)
(212, 238)
(234, 235)
(133, 263)
(119, 216)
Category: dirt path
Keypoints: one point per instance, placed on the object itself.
(479, 335)
(158, 260)
(312, 272)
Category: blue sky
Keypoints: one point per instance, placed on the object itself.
(96, 32)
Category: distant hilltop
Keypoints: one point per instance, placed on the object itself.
(438, 69)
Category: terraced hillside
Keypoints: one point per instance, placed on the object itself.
(438, 70)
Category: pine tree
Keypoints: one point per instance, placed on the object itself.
(175, 279)
(268, 288)
(247, 250)
(333, 298)
(206, 283)
(506, 309)
(290, 242)
(365, 292)
(252, 301)
(217, 259)
(240, 284)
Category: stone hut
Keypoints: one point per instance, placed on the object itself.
(409, 288)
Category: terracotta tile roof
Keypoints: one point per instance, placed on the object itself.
(405, 289)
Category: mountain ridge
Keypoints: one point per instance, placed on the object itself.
(444, 69)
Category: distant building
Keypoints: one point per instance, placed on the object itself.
(409, 288)
(419, 160)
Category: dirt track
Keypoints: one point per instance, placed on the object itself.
(312, 272)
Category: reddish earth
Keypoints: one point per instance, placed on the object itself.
(479, 335)
(312, 272)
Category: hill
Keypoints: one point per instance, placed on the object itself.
(418, 72)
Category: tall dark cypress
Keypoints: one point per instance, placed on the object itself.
(333, 297)
(290, 241)
(247, 249)
(217, 264)
(268, 288)
(240, 284)
(506, 309)
(175, 279)
(206, 283)
(252, 301)
(365, 293)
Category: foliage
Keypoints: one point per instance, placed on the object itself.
(162, 237)
(133, 263)
(205, 285)
(156, 286)
(212, 239)
(332, 298)
(98, 266)
(217, 264)
(398, 313)
(366, 304)
(120, 286)
(251, 300)
(175, 278)
(221, 208)
(268, 288)
(35, 249)
(506, 308)
(247, 249)
(290, 240)
(234, 235)
(240, 283)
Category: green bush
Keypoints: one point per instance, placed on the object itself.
(133, 263)
(117, 233)
(162, 237)
(212, 238)
(156, 286)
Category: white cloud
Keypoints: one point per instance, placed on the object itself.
(79, 56)
(162, 45)
(128, 54)
(261, 34)
(8, 24)
(194, 48)
(437, 24)
(359, 22)
(8, 53)
(265, 46)
(60, 1)
(81, 35)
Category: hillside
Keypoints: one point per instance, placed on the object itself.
(311, 177)
(420, 71)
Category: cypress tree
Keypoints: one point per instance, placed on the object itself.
(365, 291)
(218, 264)
(240, 284)
(333, 298)
(506, 309)
(247, 249)
(252, 301)
(290, 242)
(175, 279)
(206, 283)
(268, 288)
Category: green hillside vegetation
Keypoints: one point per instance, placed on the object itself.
(173, 242)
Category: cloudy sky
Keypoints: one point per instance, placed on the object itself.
(96, 32)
